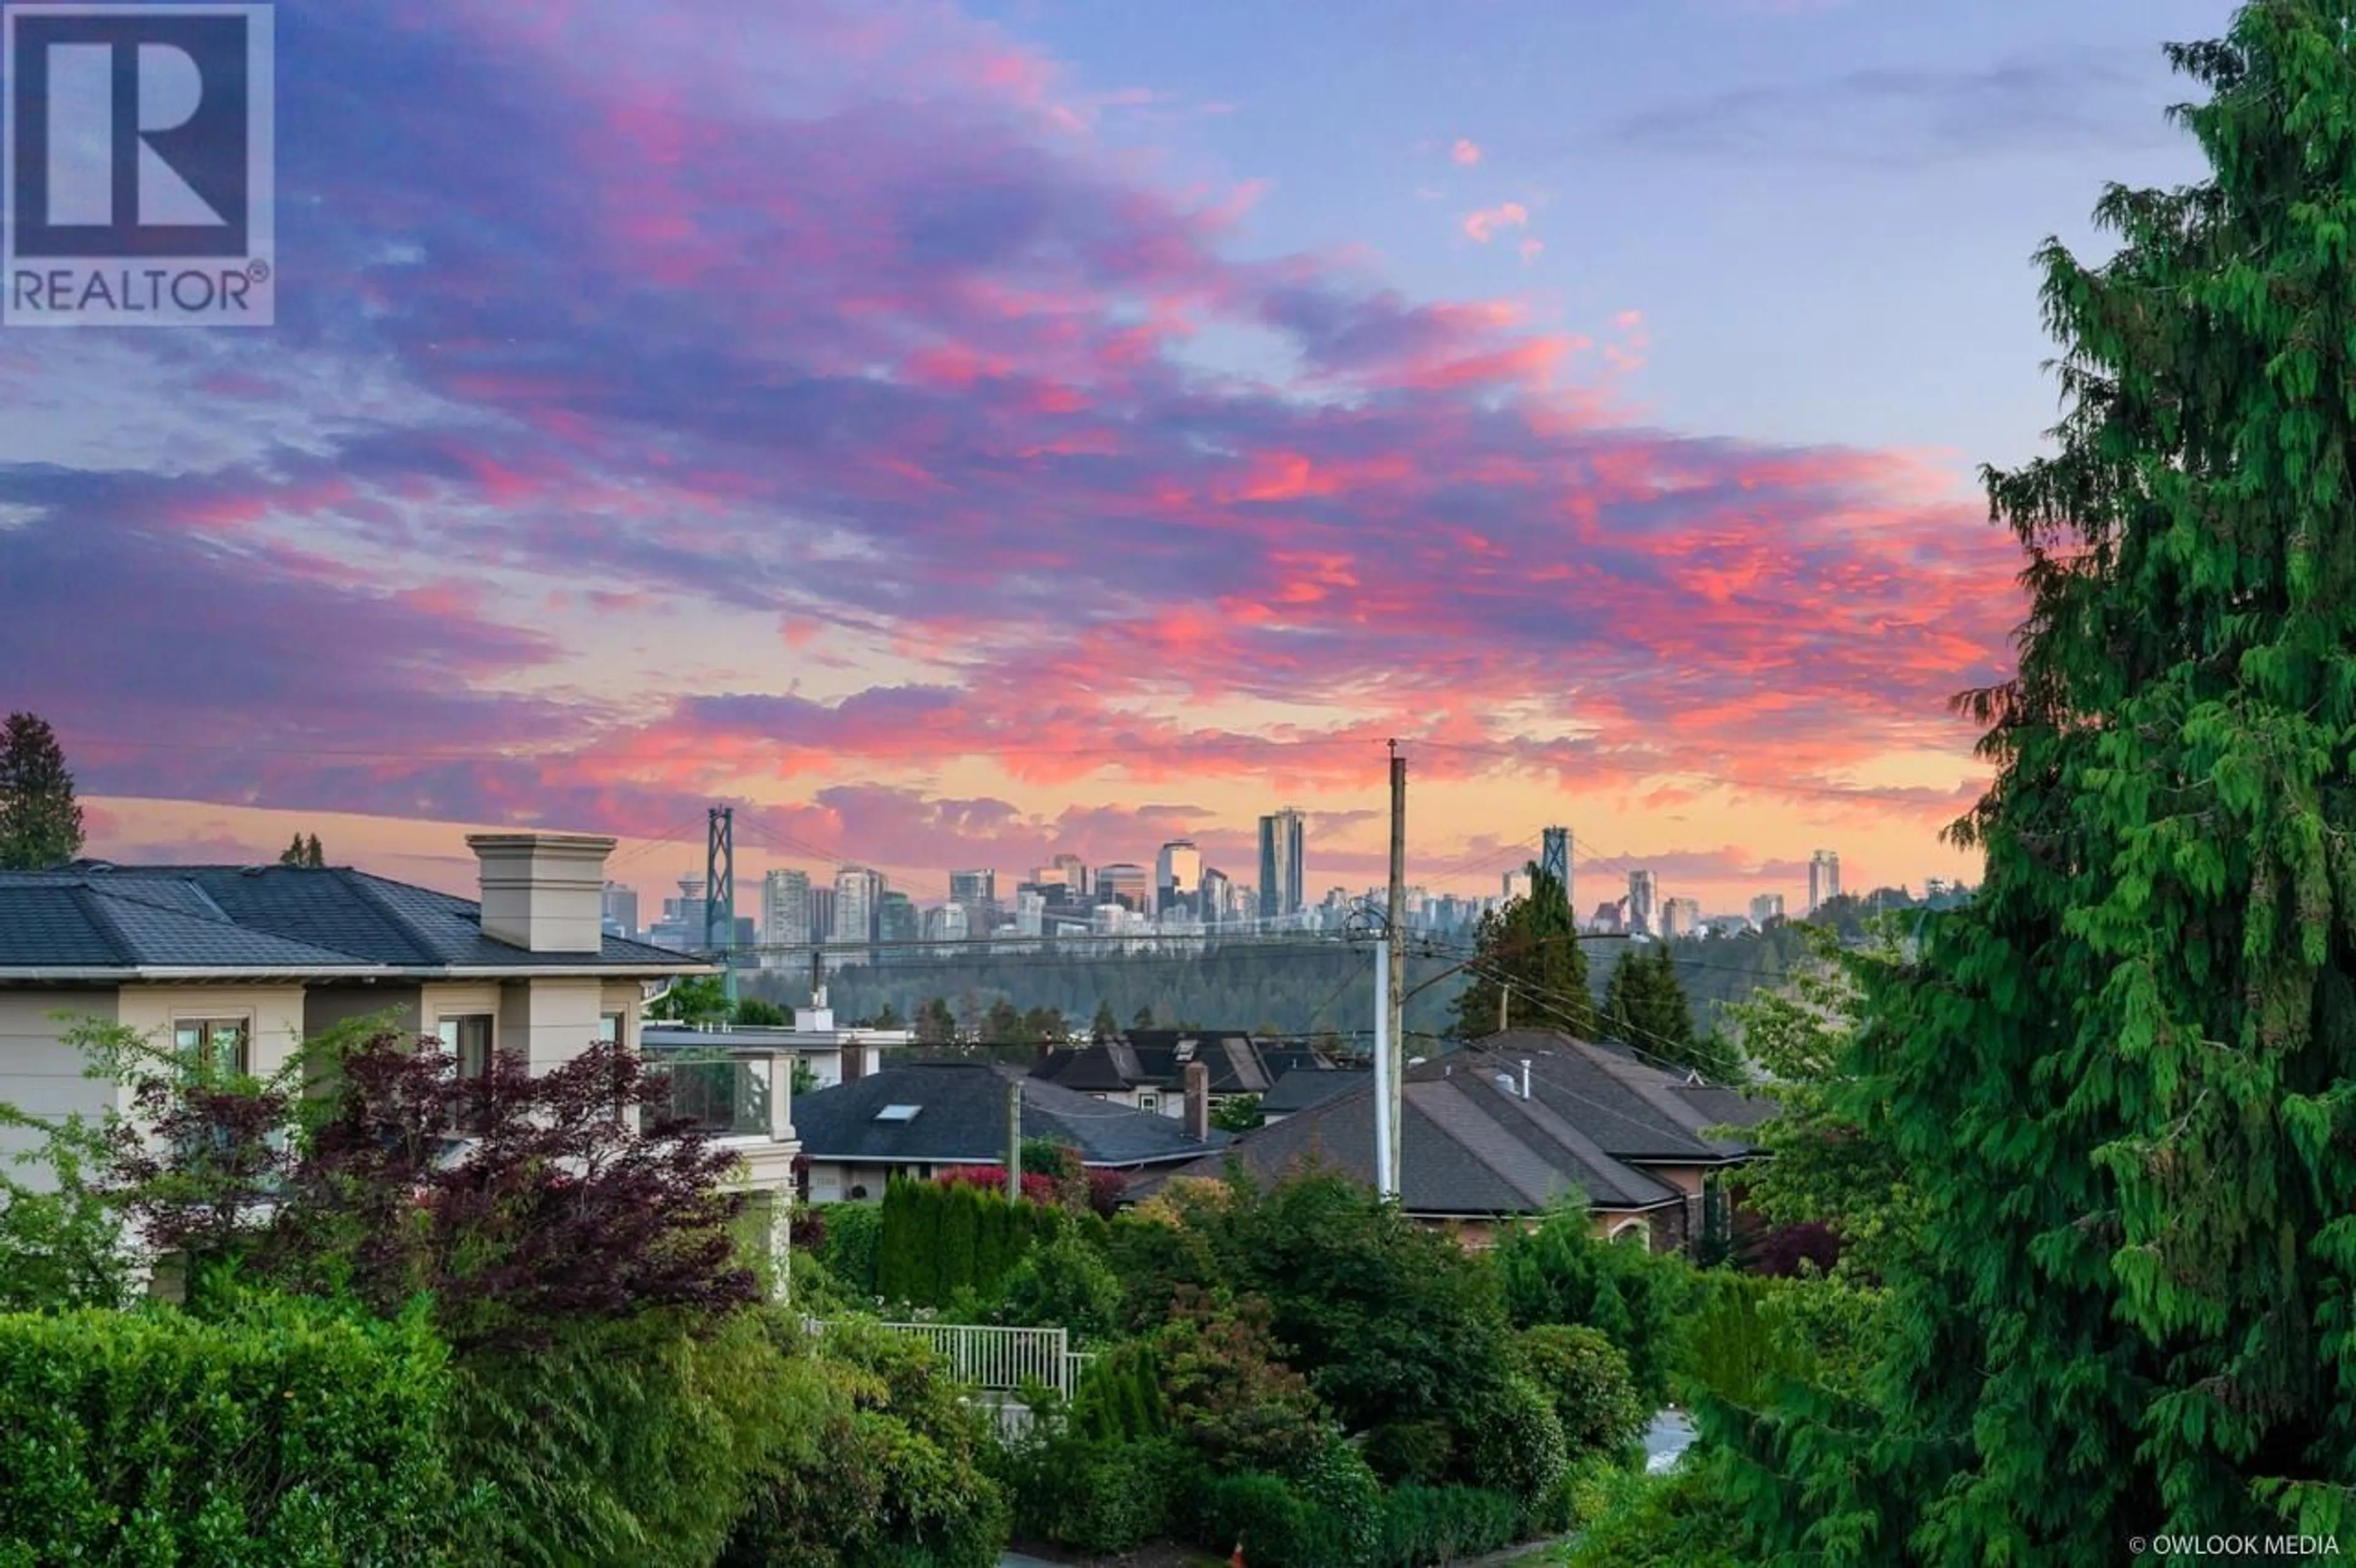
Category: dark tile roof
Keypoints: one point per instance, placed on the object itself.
(962, 1119)
(271, 919)
(1158, 1059)
(1306, 1086)
(1472, 1145)
(1283, 1059)
(1632, 1109)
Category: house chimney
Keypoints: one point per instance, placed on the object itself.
(1526, 1077)
(1198, 1101)
(543, 892)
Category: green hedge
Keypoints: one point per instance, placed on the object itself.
(147, 1439)
(1098, 1497)
(1424, 1525)
(942, 1240)
(853, 1234)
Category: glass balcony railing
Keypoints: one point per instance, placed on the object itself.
(726, 1097)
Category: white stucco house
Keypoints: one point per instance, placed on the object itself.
(245, 962)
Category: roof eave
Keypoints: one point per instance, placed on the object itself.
(247, 974)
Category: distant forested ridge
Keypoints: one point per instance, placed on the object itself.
(1290, 986)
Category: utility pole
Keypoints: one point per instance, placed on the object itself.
(1395, 927)
(1386, 1177)
(1014, 1141)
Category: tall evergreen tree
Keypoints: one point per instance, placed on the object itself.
(2123, 1079)
(1530, 950)
(41, 821)
(936, 1025)
(1105, 1027)
(1003, 1024)
(1645, 1007)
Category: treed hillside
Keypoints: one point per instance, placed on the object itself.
(1296, 987)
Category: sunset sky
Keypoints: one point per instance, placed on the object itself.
(950, 435)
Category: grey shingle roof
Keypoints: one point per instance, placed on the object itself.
(1158, 1059)
(1306, 1086)
(270, 919)
(1472, 1145)
(961, 1118)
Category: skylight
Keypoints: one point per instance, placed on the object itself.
(898, 1113)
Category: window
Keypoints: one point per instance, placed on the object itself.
(609, 1028)
(468, 1041)
(214, 1047)
(1149, 1102)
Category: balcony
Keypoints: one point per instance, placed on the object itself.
(724, 1095)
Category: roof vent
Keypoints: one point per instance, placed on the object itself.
(1504, 1082)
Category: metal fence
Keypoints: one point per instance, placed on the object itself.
(998, 1360)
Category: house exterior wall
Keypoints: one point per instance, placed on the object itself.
(849, 1181)
(1684, 1223)
(274, 1015)
(40, 1074)
(1663, 1228)
(324, 1006)
(551, 1022)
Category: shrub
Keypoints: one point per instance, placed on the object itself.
(1677, 1520)
(1587, 1377)
(1159, 1259)
(61, 1245)
(1274, 1525)
(1424, 1525)
(1095, 1496)
(634, 1441)
(1341, 1485)
(288, 1434)
(1389, 1321)
(1107, 1191)
(1229, 1396)
(854, 1232)
(1119, 1397)
(1584, 1490)
(1412, 1452)
(1518, 1447)
(1042, 1188)
(1065, 1284)
(891, 1473)
(1562, 1271)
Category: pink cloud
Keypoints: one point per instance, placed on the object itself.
(1466, 151)
(1484, 225)
(914, 379)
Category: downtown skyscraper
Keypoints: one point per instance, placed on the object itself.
(1824, 879)
(1282, 864)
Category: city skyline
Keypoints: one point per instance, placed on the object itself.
(1179, 885)
(985, 429)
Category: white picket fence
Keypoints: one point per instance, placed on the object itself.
(999, 1362)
